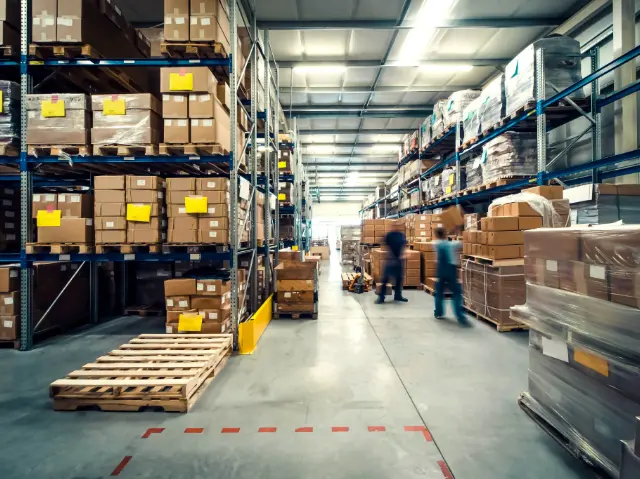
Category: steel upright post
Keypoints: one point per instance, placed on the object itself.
(233, 167)
(541, 116)
(253, 273)
(457, 153)
(596, 130)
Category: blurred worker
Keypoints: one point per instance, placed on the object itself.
(395, 241)
(447, 254)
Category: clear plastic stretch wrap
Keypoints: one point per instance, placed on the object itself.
(448, 177)
(456, 104)
(57, 119)
(473, 171)
(593, 416)
(132, 119)
(492, 101)
(433, 187)
(10, 116)
(437, 119)
(548, 209)
(471, 120)
(425, 133)
(561, 69)
(510, 154)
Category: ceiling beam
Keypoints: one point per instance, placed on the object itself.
(331, 156)
(363, 90)
(377, 131)
(441, 62)
(520, 22)
(336, 165)
(350, 145)
(310, 112)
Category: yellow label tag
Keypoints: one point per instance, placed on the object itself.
(294, 248)
(140, 213)
(282, 196)
(598, 364)
(190, 323)
(181, 82)
(282, 164)
(114, 106)
(452, 179)
(1, 101)
(449, 189)
(196, 204)
(49, 218)
(53, 108)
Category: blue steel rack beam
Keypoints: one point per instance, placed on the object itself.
(138, 62)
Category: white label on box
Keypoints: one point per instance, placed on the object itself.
(9, 226)
(49, 197)
(74, 266)
(110, 224)
(160, 194)
(8, 301)
(7, 324)
(213, 234)
(183, 123)
(213, 315)
(207, 122)
(36, 198)
(63, 267)
(167, 20)
(423, 226)
(195, 122)
(597, 272)
(32, 114)
(211, 288)
(11, 237)
(200, 287)
(64, 257)
(75, 198)
(180, 20)
(7, 203)
(170, 302)
(555, 348)
(213, 224)
(13, 274)
(205, 98)
(205, 21)
(423, 233)
(129, 257)
(287, 295)
(168, 123)
(36, 21)
(194, 20)
(194, 257)
(141, 182)
(211, 210)
(182, 210)
(183, 304)
(169, 329)
(9, 214)
(67, 22)
(166, 97)
(89, 222)
(211, 184)
(552, 265)
(9, 191)
(179, 99)
(223, 299)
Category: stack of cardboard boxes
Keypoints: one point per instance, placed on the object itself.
(422, 228)
(198, 305)
(198, 21)
(284, 162)
(410, 266)
(9, 302)
(58, 119)
(296, 285)
(129, 210)
(582, 300)
(195, 107)
(63, 218)
(10, 24)
(9, 219)
(374, 231)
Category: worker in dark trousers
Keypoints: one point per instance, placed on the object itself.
(396, 242)
(447, 256)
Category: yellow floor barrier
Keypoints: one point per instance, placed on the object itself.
(250, 331)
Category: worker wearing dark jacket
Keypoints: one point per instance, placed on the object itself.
(447, 270)
(396, 242)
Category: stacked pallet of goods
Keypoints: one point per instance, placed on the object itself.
(297, 286)
(350, 237)
(604, 203)
(493, 267)
(582, 306)
(9, 302)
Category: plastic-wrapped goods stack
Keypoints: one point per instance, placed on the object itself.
(473, 171)
(492, 103)
(10, 219)
(582, 306)
(58, 119)
(297, 285)
(604, 203)
(350, 237)
(10, 113)
(562, 68)
(510, 154)
(456, 104)
(471, 120)
(195, 107)
(65, 218)
(437, 119)
(198, 305)
(434, 187)
(425, 133)
(125, 120)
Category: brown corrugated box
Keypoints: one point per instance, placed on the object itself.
(72, 129)
(43, 202)
(10, 303)
(111, 237)
(71, 230)
(529, 222)
(504, 252)
(549, 192)
(110, 209)
(562, 244)
(145, 236)
(178, 303)
(520, 208)
(182, 184)
(203, 79)
(177, 131)
(212, 184)
(213, 236)
(144, 182)
(186, 222)
(499, 223)
(10, 12)
(212, 287)
(9, 278)
(9, 36)
(75, 205)
(175, 106)
(144, 196)
(210, 302)
(154, 223)
(180, 287)
(213, 223)
(9, 327)
(110, 223)
(183, 236)
(499, 238)
(625, 287)
(107, 182)
(44, 14)
(295, 285)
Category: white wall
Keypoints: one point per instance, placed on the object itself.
(335, 210)
(328, 217)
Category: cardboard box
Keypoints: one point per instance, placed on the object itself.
(110, 182)
(295, 297)
(625, 287)
(44, 14)
(187, 222)
(212, 287)
(212, 184)
(180, 287)
(111, 237)
(182, 184)
(504, 252)
(176, 28)
(109, 196)
(145, 236)
(520, 209)
(496, 210)
(110, 223)
(176, 131)
(175, 106)
(213, 236)
(9, 278)
(10, 304)
(499, 238)
(43, 202)
(9, 327)
(178, 303)
(71, 230)
(183, 236)
(296, 270)
(572, 274)
(144, 196)
(210, 302)
(216, 327)
(187, 80)
(295, 285)
(221, 223)
(561, 244)
(554, 192)
(207, 105)
(482, 237)
(75, 205)
(144, 183)
(529, 222)
(207, 131)
(215, 315)
(499, 223)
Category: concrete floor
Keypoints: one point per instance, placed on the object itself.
(360, 366)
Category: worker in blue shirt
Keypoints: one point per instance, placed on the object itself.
(447, 254)
(396, 242)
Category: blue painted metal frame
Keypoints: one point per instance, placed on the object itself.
(287, 210)
(130, 62)
(219, 159)
(287, 178)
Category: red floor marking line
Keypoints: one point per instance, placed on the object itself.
(339, 429)
(121, 466)
(194, 430)
(377, 429)
(446, 472)
(230, 430)
(304, 429)
(414, 428)
(153, 430)
(268, 429)
(427, 435)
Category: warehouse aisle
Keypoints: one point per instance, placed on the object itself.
(341, 397)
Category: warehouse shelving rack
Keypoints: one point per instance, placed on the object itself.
(227, 163)
(296, 178)
(583, 173)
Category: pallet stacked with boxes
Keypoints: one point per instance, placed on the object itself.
(582, 305)
(9, 116)
(349, 243)
(297, 287)
(604, 203)
(198, 22)
(9, 302)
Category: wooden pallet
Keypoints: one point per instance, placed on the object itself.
(492, 184)
(497, 263)
(290, 315)
(58, 150)
(190, 149)
(6, 344)
(347, 278)
(500, 327)
(62, 50)
(9, 150)
(145, 310)
(122, 150)
(194, 248)
(129, 248)
(193, 50)
(167, 371)
(8, 52)
(432, 292)
(59, 248)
